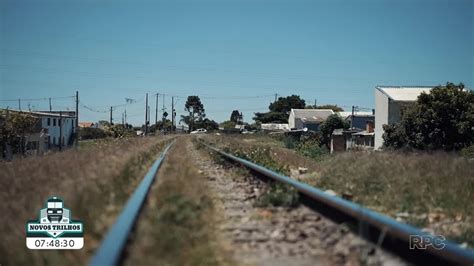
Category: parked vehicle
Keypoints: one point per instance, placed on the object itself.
(199, 131)
(245, 131)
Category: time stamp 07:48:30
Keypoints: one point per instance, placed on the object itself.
(63, 243)
(55, 243)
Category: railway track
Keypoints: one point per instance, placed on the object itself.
(114, 242)
(377, 228)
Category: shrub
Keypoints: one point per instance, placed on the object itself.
(310, 145)
(468, 151)
(119, 131)
(290, 142)
(312, 150)
(91, 133)
(278, 195)
(263, 157)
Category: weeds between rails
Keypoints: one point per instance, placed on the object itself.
(276, 194)
(177, 225)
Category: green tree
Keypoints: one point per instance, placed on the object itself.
(440, 120)
(236, 117)
(333, 107)
(159, 126)
(207, 124)
(14, 127)
(285, 104)
(91, 133)
(104, 123)
(119, 131)
(327, 127)
(280, 109)
(228, 124)
(196, 112)
(394, 136)
(271, 117)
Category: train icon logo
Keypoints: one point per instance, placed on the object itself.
(54, 229)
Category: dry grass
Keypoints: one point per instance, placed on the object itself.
(94, 183)
(431, 190)
(285, 157)
(177, 226)
(435, 190)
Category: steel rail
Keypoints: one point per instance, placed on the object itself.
(389, 228)
(110, 250)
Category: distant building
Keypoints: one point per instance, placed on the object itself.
(274, 127)
(390, 102)
(364, 139)
(358, 119)
(340, 139)
(240, 127)
(52, 131)
(308, 118)
(87, 124)
(353, 138)
(181, 128)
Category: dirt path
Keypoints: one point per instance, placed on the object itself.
(278, 236)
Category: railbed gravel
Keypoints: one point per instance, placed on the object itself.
(279, 235)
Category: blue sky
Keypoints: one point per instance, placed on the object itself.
(234, 54)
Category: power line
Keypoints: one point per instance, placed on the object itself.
(37, 99)
(216, 51)
(285, 76)
(92, 109)
(236, 97)
(241, 110)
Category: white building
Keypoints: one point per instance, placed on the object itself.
(59, 127)
(52, 131)
(308, 118)
(390, 102)
(274, 127)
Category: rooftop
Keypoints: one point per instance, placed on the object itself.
(65, 114)
(86, 124)
(347, 114)
(403, 93)
(312, 114)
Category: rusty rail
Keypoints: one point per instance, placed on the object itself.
(378, 228)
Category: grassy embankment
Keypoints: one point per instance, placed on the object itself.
(94, 181)
(177, 225)
(435, 191)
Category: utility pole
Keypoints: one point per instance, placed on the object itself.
(50, 107)
(146, 115)
(172, 114)
(149, 115)
(354, 109)
(60, 130)
(19, 104)
(156, 112)
(77, 119)
(352, 117)
(164, 108)
(276, 96)
(111, 110)
(125, 115)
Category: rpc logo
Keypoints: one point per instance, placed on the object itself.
(424, 241)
